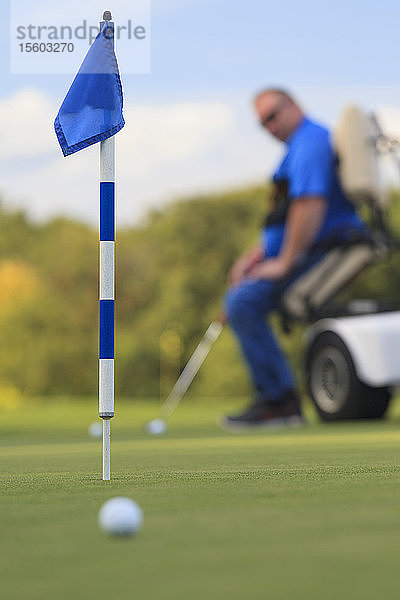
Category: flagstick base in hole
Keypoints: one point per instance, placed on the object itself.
(106, 449)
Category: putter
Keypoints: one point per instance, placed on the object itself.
(188, 374)
(191, 369)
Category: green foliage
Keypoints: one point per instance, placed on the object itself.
(171, 276)
(48, 305)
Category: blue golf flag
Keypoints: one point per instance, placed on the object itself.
(92, 109)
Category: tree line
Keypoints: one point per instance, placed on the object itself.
(171, 278)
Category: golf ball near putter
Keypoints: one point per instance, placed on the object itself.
(96, 430)
(120, 516)
(156, 426)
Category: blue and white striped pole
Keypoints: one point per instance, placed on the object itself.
(90, 113)
(107, 290)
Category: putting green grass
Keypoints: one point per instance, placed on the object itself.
(312, 513)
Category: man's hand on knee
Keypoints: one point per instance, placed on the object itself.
(272, 268)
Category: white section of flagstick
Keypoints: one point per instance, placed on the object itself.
(107, 160)
(106, 449)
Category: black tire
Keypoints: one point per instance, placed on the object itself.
(376, 402)
(334, 387)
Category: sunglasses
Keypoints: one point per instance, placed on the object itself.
(272, 115)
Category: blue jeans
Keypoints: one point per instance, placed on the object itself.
(246, 308)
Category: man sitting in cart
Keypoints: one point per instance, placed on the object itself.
(308, 207)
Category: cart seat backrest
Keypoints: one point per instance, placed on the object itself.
(310, 292)
(355, 143)
(355, 140)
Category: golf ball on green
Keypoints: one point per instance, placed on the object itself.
(120, 516)
(96, 430)
(156, 426)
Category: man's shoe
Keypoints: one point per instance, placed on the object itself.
(284, 413)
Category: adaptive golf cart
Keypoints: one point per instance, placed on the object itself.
(352, 357)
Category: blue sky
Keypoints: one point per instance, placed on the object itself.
(190, 125)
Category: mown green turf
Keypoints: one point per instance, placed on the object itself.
(305, 514)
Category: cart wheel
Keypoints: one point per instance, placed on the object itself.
(335, 389)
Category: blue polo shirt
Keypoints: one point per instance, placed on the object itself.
(309, 170)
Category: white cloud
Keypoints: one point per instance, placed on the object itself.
(26, 124)
(167, 134)
(389, 120)
(163, 152)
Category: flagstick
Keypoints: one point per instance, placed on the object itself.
(106, 292)
(106, 449)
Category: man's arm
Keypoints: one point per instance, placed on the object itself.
(304, 219)
(245, 263)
